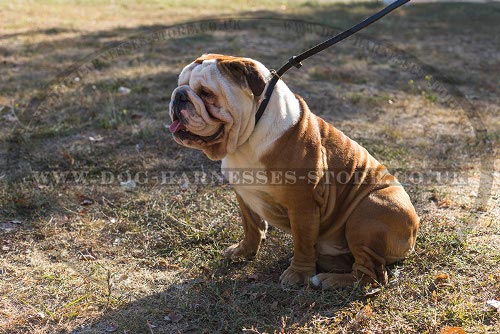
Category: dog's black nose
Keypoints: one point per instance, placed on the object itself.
(182, 96)
(177, 114)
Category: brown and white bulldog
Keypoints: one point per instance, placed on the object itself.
(348, 216)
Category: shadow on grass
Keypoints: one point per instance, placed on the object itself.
(224, 301)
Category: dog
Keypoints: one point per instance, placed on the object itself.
(348, 216)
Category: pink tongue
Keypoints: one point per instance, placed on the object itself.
(176, 126)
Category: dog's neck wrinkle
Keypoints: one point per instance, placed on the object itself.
(279, 116)
(282, 112)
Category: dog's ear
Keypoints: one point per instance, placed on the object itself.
(244, 72)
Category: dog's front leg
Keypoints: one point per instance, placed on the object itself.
(255, 231)
(304, 223)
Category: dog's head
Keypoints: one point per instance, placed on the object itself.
(213, 108)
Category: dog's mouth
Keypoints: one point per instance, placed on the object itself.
(178, 129)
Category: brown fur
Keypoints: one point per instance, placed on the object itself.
(350, 228)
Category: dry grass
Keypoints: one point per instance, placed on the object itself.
(128, 259)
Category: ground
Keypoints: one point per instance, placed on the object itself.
(418, 89)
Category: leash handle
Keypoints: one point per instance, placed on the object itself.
(297, 60)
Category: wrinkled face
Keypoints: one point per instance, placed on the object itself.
(214, 105)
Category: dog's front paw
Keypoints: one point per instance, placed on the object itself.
(294, 278)
(240, 250)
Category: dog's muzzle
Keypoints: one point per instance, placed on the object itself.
(179, 124)
(180, 102)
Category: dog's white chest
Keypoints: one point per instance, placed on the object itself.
(259, 200)
(242, 171)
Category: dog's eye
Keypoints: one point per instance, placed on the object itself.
(205, 93)
(207, 96)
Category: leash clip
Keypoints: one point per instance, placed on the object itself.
(293, 61)
(274, 73)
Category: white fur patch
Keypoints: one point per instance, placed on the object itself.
(282, 112)
(315, 281)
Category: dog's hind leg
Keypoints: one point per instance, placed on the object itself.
(381, 230)
(367, 268)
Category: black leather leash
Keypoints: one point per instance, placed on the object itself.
(297, 60)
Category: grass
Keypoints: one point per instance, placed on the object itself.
(93, 256)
